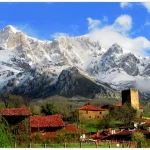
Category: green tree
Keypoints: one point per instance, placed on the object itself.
(74, 117)
(139, 138)
(106, 122)
(63, 107)
(35, 109)
(126, 114)
(14, 101)
(48, 109)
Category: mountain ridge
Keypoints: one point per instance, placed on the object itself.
(21, 55)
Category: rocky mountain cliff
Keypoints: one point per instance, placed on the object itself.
(69, 66)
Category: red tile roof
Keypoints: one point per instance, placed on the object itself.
(125, 132)
(15, 112)
(146, 125)
(96, 135)
(140, 107)
(46, 121)
(71, 128)
(126, 127)
(120, 104)
(102, 134)
(74, 129)
(129, 132)
(147, 120)
(91, 107)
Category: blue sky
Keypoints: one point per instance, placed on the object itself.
(129, 21)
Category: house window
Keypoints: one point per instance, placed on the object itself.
(89, 116)
(100, 112)
(86, 112)
(97, 116)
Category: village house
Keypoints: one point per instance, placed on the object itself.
(118, 135)
(21, 122)
(91, 112)
(18, 119)
(142, 124)
(46, 125)
(131, 97)
(51, 126)
(126, 135)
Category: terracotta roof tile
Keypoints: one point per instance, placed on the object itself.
(125, 132)
(147, 120)
(97, 135)
(91, 107)
(47, 121)
(120, 104)
(140, 107)
(74, 129)
(129, 132)
(15, 112)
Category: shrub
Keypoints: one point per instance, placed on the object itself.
(139, 138)
(6, 139)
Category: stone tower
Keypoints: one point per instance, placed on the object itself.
(131, 96)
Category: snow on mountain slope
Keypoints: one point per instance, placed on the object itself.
(121, 70)
(21, 55)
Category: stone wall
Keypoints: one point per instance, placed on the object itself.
(134, 98)
(86, 115)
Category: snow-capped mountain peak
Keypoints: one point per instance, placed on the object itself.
(21, 55)
(10, 28)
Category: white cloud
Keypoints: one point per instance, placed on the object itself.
(147, 23)
(147, 6)
(123, 23)
(110, 34)
(125, 4)
(143, 84)
(92, 24)
(58, 34)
